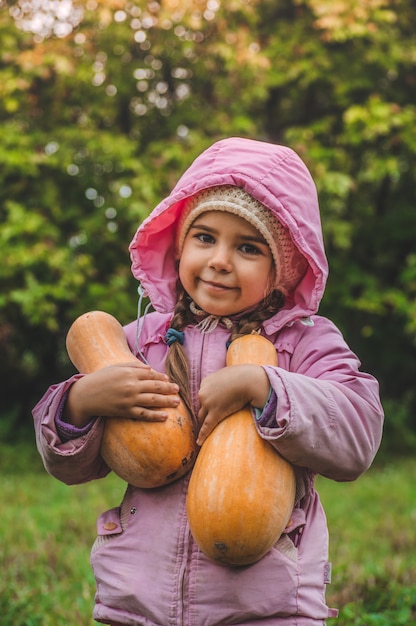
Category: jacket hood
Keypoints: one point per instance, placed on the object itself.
(277, 177)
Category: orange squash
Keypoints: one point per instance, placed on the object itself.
(145, 454)
(242, 491)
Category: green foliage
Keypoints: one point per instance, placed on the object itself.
(102, 111)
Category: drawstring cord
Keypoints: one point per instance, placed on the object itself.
(206, 325)
(139, 328)
(210, 322)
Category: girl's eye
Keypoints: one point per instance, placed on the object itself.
(248, 248)
(204, 237)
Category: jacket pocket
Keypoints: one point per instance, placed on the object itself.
(265, 589)
(294, 529)
(109, 526)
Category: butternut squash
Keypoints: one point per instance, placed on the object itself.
(145, 454)
(241, 491)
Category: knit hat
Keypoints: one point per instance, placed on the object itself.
(290, 264)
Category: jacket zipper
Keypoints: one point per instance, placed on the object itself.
(195, 375)
(187, 546)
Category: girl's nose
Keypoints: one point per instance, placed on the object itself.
(220, 259)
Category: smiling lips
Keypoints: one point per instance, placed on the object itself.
(217, 286)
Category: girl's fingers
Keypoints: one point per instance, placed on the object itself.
(146, 415)
(151, 400)
(143, 371)
(207, 427)
(151, 408)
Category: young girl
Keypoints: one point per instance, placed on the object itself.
(236, 247)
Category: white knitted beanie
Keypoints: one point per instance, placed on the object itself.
(289, 263)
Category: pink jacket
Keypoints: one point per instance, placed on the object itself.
(148, 569)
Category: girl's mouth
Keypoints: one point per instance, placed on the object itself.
(216, 286)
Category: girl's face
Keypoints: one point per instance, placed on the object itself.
(226, 266)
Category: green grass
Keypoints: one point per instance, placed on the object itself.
(372, 524)
(47, 530)
(46, 533)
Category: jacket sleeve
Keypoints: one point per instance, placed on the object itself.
(77, 460)
(328, 413)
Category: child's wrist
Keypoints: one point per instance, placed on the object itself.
(266, 417)
(71, 412)
(261, 388)
(65, 429)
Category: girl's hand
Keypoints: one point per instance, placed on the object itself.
(228, 390)
(124, 390)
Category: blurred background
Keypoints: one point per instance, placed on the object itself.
(104, 103)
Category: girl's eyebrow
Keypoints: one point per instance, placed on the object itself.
(200, 226)
(255, 238)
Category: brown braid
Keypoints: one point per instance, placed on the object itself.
(177, 366)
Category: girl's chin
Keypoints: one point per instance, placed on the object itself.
(214, 310)
(218, 310)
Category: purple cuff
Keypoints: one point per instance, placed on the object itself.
(68, 431)
(267, 417)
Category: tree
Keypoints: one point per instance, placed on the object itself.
(103, 107)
